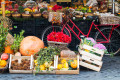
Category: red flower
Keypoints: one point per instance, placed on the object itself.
(58, 37)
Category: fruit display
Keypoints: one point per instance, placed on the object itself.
(4, 60)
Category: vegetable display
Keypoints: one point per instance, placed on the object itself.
(44, 58)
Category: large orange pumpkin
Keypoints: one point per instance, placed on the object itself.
(30, 45)
(8, 50)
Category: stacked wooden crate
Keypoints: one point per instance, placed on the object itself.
(91, 57)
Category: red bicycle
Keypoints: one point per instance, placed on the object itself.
(109, 36)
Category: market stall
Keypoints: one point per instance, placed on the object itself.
(38, 37)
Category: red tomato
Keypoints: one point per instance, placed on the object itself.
(4, 56)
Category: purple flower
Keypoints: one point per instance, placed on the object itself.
(100, 46)
(91, 39)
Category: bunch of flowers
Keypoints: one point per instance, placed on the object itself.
(58, 37)
(100, 46)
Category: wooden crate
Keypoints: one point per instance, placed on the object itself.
(67, 71)
(63, 1)
(89, 60)
(60, 45)
(45, 71)
(19, 58)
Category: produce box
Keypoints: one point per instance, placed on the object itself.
(20, 64)
(91, 57)
(50, 70)
(63, 1)
(67, 65)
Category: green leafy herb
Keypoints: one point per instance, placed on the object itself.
(46, 55)
(17, 40)
(3, 35)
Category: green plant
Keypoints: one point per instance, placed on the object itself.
(21, 9)
(46, 55)
(17, 39)
(3, 35)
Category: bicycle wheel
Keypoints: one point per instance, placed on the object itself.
(114, 44)
(49, 29)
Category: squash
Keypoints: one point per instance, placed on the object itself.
(30, 45)
(74, 64)
(8, 50)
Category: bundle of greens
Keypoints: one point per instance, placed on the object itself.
(3, 35)
(17, 40)
(45, 55)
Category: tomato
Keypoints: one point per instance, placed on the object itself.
(4, 56)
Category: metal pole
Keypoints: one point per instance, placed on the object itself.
(3, 8)
(113, 6)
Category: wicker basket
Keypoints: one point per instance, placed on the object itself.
(109, 20)
(8, 15)
(89, 14)
(26, 15)
(37, 15)
(5, 69)
(60, 45)
(78, 16)
(16, 15)
(45, 16)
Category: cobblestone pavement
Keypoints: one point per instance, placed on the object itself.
(110, 71)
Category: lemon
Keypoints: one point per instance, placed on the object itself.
(63, 61)
(65, 65)
(59, 66)
(42, 67)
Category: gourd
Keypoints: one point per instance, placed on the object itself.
(8, 50)
(30, 45)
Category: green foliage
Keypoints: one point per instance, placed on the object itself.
(21, 9)
(46, 55)
(17, 40)
(3, 35)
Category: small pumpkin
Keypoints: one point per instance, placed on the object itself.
(59, 66)
(74, 64)
(30, 45)
(42, 67)
(8, 50)
(3, 63)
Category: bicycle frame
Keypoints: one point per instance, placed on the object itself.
(67, 26)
